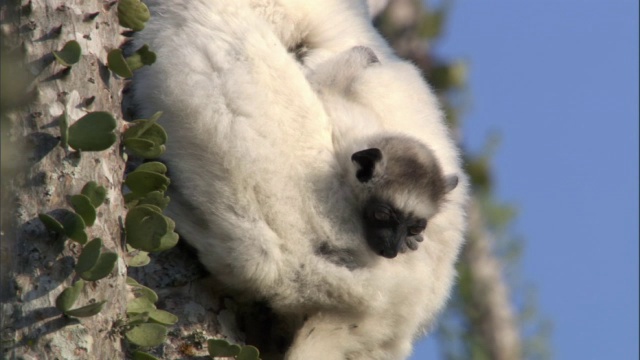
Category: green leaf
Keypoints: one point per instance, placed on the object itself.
(70, 53)
(89, 256)
(158, 210)
(145, 228)
(97, 194)
(133, 14)
(117, 64)
(144, 182)
(105, 264)
(51, 224)
(140, 259)
(141, 57)
(139, 355)
(140, 318)
(68, 296)
(141, 291)
(168, 241)
(143, 148)
(222, 348)
(147, 335)
(63, 123)
(140, 305)
(131, 200)
(93, 132)
(145, 138)
(248, 352)
(155, 198)
(147, 129)
(74, 227)
(83, 207)
(85, 311)
(131, 281)
(153, 166)
(162, 317)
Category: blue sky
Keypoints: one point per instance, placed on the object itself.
(559, 81)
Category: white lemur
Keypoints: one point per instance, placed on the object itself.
(265, 189)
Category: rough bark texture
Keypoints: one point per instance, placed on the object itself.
(35, 266)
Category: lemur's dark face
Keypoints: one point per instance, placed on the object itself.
(389, 230)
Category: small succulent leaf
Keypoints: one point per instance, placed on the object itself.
(153, 119)
(70, 53)
(153, 166)
(145, 228)
(63, 123)
(83, 207)
(144, 182)
(88, 310)
(139, 355)
(155, 198)
(140, 259)
(89, 256)
(96, 193)
(117, 64)
(74, 227)
(248, 352)
(105, 264)
(133, 14)
(68, 296)
(131, 281)
(141, 291)
(162, 317)
(51, 224)
(134, 62)
(168, 241)
(93, 132)
(147, 129)
(222, 348)
(141, 57)
(154, 208)
(131, 200)
(139, 305)
(147, 335)
(143, 148)
(140, 318)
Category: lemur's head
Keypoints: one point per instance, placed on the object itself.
(401, 187)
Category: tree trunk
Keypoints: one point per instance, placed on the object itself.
(35, 266)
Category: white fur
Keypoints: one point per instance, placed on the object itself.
(256, 182)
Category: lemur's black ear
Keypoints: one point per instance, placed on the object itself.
(366, 160)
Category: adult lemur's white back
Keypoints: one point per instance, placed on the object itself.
(268, 187)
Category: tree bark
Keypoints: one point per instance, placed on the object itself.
(35, 266)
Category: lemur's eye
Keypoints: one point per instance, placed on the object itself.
(382, 215)
(416, 229)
